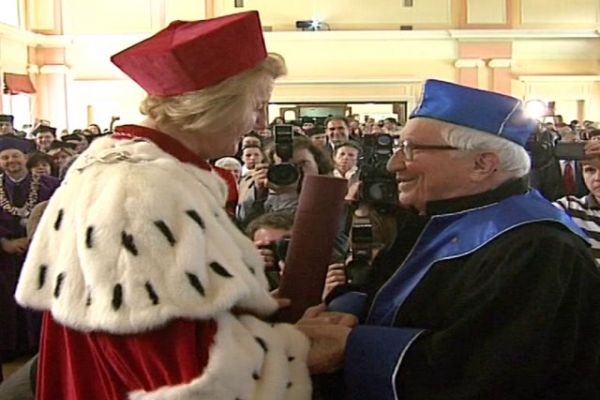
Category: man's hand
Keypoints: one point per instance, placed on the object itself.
(268, 257)
(259, 175)
(336, 276)
(14, 246)
(328, 333)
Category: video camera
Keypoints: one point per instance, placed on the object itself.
(279, 249)
(285, 173)
(379, 187)
(544, 148)
(362, 246)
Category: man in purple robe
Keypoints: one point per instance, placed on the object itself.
(19, 193)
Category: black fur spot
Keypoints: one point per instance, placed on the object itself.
(151, 293)
(42, 276)
(195, 282)
(219, 270)
(252, 270)
(128, 243)
(255, 376)
(59, 218)
(164, 229)
(290, 358)
(88, 301)
(117, 299)
(59, 281)
(89, 236)
(197, 219)
(289, 385)
(262, 343)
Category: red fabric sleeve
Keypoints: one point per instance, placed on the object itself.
(101, 366)
(232, 190)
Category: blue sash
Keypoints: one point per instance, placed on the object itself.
(455, 235)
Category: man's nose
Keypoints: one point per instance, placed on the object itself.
(397, 162)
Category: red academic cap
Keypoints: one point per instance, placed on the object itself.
(188, 56)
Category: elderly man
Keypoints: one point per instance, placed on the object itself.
(20, 191)
(489, 292)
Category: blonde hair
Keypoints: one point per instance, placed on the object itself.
(219, 106)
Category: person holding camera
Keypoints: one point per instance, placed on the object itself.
(489, 291)
(149, 290)
(277, 184)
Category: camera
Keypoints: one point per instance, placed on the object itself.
(279, 249)
(544, 148)
(285, 173)
(379, 187)
(362, 246)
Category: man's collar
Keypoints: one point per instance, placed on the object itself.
(507, 189)
(15, 180)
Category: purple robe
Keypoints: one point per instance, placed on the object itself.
(19, 328)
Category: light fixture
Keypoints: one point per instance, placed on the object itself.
(536, 109)
(314, 24)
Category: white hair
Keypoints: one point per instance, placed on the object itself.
(513, 157)
(228, 162)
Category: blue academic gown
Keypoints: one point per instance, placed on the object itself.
(450, 321)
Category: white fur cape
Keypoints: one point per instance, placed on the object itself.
(134, 238)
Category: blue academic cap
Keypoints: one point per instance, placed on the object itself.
(486, 111)
(14, 142)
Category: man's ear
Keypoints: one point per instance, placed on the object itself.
(485, 164)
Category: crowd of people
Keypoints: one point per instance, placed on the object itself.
(155, 266)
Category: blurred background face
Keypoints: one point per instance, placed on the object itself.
(13, 162)
(337, 131)
(5, 127)
(42, 168)
(61, 158)
(94, 129)
(591, 176)
(319, 140)
(346, 158)
(252, 156)
(43, 140)
(267, 235)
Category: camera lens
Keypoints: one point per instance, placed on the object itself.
(283, 174)
(384, 140)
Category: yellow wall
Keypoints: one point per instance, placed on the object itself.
(346, 14)
(364, 58)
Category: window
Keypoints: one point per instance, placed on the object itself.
(10, 13)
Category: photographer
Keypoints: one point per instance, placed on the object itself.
(270, 233)
(266, 196)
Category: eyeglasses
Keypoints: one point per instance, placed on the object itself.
(407, 148)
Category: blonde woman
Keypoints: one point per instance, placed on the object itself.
(136, 264)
